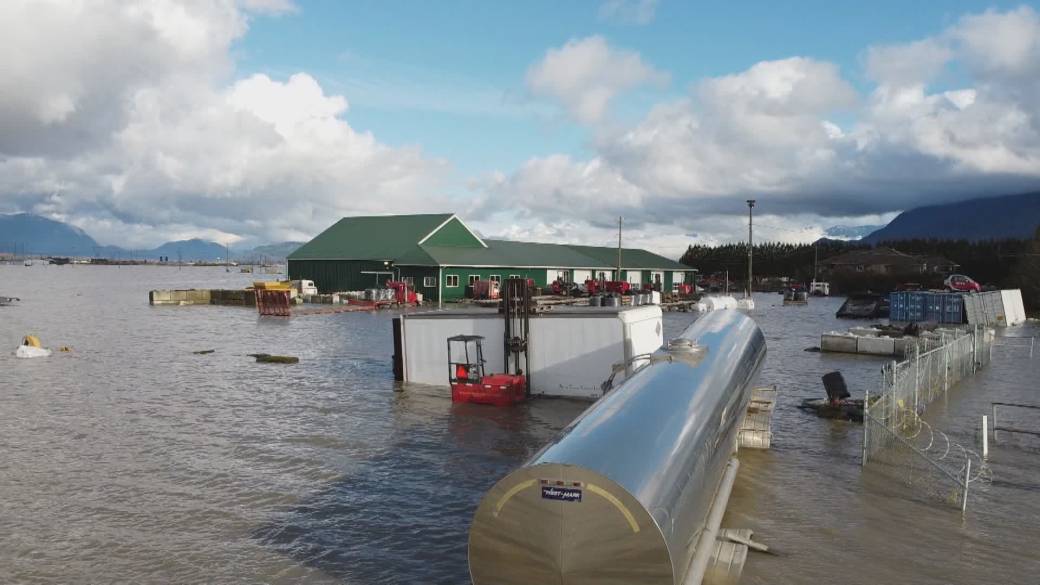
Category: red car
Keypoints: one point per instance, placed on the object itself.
(961, 283)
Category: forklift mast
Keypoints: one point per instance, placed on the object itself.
(516, 310)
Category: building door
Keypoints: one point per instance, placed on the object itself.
(657, 280)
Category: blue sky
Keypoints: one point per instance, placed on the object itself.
(449, 76)
(246, 121)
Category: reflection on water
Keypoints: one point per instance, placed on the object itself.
(133, 459)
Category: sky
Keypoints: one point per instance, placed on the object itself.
(251, 121)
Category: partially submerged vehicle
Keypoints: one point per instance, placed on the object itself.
(796, 295)
(839, 404)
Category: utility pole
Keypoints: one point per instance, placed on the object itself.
(815, 260)
(750, 206)
(617, 277)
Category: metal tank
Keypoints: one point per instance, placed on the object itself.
(623, 494)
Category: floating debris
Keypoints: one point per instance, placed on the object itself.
(31, 348)
(266, 358)
(204, 351)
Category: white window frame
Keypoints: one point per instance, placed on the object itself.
(514, 276)
(473, 278)
(495, 278)
(410, 281)
(429, 281)
(451, 278)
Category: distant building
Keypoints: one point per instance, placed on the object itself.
(439, 255)
(888, 261)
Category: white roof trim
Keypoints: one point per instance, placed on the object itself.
(453, 216)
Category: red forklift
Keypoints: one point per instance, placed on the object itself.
(470, 383)
(466, 372)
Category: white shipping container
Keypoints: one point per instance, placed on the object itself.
(572, 350)
(1014, 310)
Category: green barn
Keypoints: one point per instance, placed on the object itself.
(439, 255)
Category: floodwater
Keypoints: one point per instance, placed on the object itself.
(133, 460)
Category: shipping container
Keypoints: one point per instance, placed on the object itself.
(926, 307)
(572, 349)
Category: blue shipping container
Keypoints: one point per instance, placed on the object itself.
(926, 307)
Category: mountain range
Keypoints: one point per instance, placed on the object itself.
(24, 233)
(1001, 217)
(984, 218)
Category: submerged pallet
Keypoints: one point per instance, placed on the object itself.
(756, 429)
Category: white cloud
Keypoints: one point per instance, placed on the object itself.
(1000, 44)
(914, 63)
(628, 11)
(134, 127)
(773, 132)
(586, 74)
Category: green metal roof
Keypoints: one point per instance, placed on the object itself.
(630, 258)
(397, 237)
(383, 237)
(507, 253)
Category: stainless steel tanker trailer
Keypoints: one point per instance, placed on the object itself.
(633, 490)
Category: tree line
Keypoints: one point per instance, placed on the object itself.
(1008, 263)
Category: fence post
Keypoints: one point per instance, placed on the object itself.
(1032, 340)
(946, 369)
(917, 374)
(989, 353)
(866, 418)
(974, 340)
(994, 419)
(985, 439)
(890, 390)
(967, 476)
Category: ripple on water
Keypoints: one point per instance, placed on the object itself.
(135, 460)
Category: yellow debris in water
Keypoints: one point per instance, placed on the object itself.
(31, 341)
(65, 349)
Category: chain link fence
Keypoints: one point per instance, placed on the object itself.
(895, 438)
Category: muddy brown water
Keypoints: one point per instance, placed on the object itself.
(134, 460)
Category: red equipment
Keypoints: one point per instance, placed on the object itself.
(607, 286)
(273, 302)
(486, 289)
(402, 294)
(684, 289)
(468, 381)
